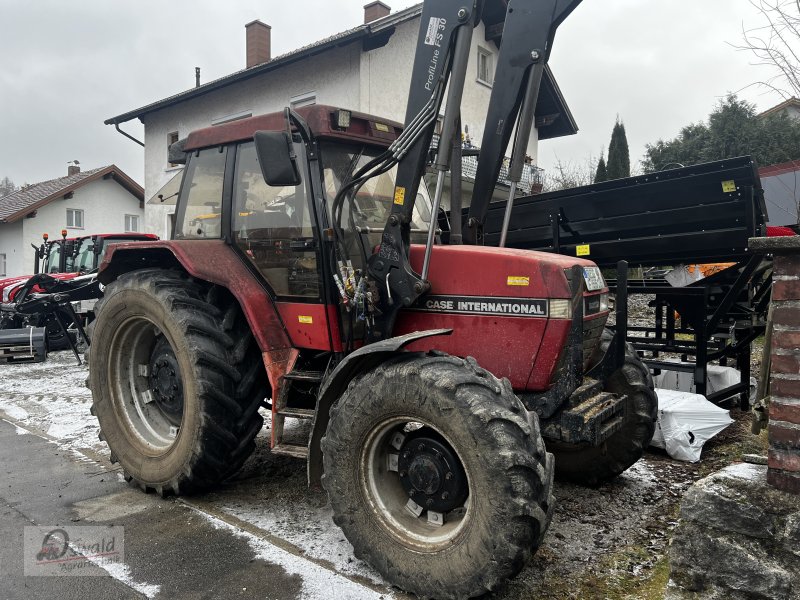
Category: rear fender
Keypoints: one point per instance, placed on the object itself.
(362, 360)
(216, 262)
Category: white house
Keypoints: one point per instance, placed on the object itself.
(367, 69)
(790, 106)
(103, 200)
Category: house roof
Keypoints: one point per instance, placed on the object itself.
(551, 101)
(791, 102)
(14, 207)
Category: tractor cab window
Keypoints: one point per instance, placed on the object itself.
(84, 261)
(53, 259)
(275, 228)
(372, 204)
(201, 195)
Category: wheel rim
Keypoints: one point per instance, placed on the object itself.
(420, 495)
(148, 387)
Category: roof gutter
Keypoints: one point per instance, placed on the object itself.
(128, 135)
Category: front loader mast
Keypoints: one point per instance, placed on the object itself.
(441, 58)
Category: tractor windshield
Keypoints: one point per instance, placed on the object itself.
(373, 202)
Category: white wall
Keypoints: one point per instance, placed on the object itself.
(104, 203)
(11, 246)
(386, 74)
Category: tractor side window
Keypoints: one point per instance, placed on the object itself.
(274, 227)
(201, 196)
(85, 258)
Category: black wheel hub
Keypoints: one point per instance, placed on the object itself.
(165, 380)
(431, 473)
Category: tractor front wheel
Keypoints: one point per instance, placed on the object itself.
(594, 465)
(438, 475)
(176, 380)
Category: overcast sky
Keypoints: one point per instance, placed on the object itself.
(65, 67)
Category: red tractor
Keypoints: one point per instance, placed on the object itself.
(61, 293)
(306, 275)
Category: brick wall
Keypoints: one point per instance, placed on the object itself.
(784, 408)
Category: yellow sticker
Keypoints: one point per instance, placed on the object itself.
(306, 319)
(399, 195)
(518, 280)
(582, 250)
(382, 127)
(728, 186)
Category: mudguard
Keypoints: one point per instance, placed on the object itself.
(363, 359)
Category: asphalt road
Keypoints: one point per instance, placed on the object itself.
(172, 548)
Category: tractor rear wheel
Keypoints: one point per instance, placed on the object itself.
(594, 465)
(176, 380)
(438, 475)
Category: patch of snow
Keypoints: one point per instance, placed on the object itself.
(309, 528)
(15, 412)
(122, 573)
(744, 471)
(318, 583)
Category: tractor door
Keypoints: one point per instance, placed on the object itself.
(275, 228)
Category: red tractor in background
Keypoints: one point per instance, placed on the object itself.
(60, 294)
(306, 275)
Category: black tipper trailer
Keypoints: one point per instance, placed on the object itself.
(692, 215)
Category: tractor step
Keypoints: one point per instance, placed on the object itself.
(293, 450)
(297, 413)
(313, 376)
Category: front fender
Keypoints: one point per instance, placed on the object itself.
(362, 360)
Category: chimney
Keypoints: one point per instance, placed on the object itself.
(375, 10)
(258, 43)
(73, 168)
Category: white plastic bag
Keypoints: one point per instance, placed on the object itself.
(685, 422)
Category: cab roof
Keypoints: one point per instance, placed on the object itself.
(321, 120)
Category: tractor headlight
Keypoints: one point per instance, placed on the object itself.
(561, 309)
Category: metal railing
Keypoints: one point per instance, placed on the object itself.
(532, 176)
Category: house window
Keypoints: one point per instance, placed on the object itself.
(302, 100)
(485, 74)
(74, 218)
(132, 223)
(2, 265)
(171, 139)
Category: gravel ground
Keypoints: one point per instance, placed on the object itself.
(608, 542)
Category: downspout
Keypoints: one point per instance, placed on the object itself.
(127, 135)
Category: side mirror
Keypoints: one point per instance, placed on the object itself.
(277, 158)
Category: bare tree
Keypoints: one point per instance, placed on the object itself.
(566, 175)
(775, 43)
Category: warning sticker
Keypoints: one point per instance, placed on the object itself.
(512, 280)
(433, 36)
(399, 195)
(729, 186)
(582, 250)
(305, 319)
(382, 127)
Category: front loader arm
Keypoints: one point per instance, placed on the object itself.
(442, 53)
(440, 61)
(528, 34)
